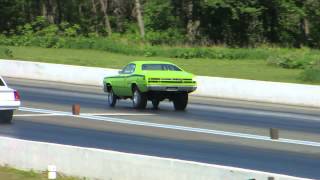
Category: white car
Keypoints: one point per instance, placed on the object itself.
(9, 101)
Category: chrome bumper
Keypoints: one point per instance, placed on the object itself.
(172, 88)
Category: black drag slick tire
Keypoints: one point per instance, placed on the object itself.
(6, 116)
(111, 98)
(139, 99)
(180, 101)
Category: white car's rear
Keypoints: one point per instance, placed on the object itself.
(9, 101)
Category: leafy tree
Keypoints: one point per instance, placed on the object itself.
(244, 23)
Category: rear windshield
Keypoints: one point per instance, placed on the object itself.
(1, 82)
(160, 67)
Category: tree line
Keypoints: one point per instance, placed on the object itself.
(236, 23)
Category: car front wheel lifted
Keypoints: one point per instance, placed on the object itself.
(180, 101)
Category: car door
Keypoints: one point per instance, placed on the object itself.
(118, 82)
(129, 72)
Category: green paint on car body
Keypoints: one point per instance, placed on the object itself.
(157, 80)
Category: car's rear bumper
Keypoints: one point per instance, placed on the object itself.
(9, 105)
(171, 88)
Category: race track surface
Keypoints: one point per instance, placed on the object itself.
(195, 134)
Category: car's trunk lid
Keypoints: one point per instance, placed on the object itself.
(169, 77)
(6, 94)
(168, 74)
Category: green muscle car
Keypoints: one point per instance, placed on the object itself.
(150, 80)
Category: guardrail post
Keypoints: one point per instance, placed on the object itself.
(52, 172)
(76, 109)
(274, 133)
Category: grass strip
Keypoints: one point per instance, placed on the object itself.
(254, 69)
(9, 173)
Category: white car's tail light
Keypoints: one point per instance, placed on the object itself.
(16, 96)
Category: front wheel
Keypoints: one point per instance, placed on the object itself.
(180, 101)
(139, 99)
(112, 98)
(6, 116)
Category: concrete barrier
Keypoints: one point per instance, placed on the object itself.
(260, 91)
(249, 90)
(103, 164)
(55, 72)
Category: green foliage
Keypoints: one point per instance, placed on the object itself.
(287, 61)
(294, 60)
(158, 16)
(244, 69)
(39, 23)
(311, 73)
(6, 52)
(170, 36)
(72, 31)
(169, 39)
(235, 23)
(9, 173)
(133, 45)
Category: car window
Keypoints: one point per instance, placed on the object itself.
(132, 68)
(152, 67)
(171, 67)
(129, 69)
(125, 69)
(160, 67)
(1, 82)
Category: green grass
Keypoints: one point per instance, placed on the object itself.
(255, 69)
(7, 173)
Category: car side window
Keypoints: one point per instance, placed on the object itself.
(129, 69)
(170, 67)
(160, 67)
(133, 68)
(125, 70)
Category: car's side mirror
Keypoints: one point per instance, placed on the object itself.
(120, 72)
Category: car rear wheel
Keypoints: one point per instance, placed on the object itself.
(180, 101)
(155, 103)
(139, 99)
(6, 116)
(112, 98)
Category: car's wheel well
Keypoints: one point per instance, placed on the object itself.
(109, 87)
(133, 86)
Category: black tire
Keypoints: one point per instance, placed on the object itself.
(155, 104)
(111, 98)
(180, 101)
(6, 116)
(139, 99)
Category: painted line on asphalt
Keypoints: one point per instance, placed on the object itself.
(37, 115)
(117, 114)
(176, 127)
(85, 114)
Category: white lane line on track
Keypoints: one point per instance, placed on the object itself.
(85, 114)
(116, 114)
(37, 115)
(175, 127)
